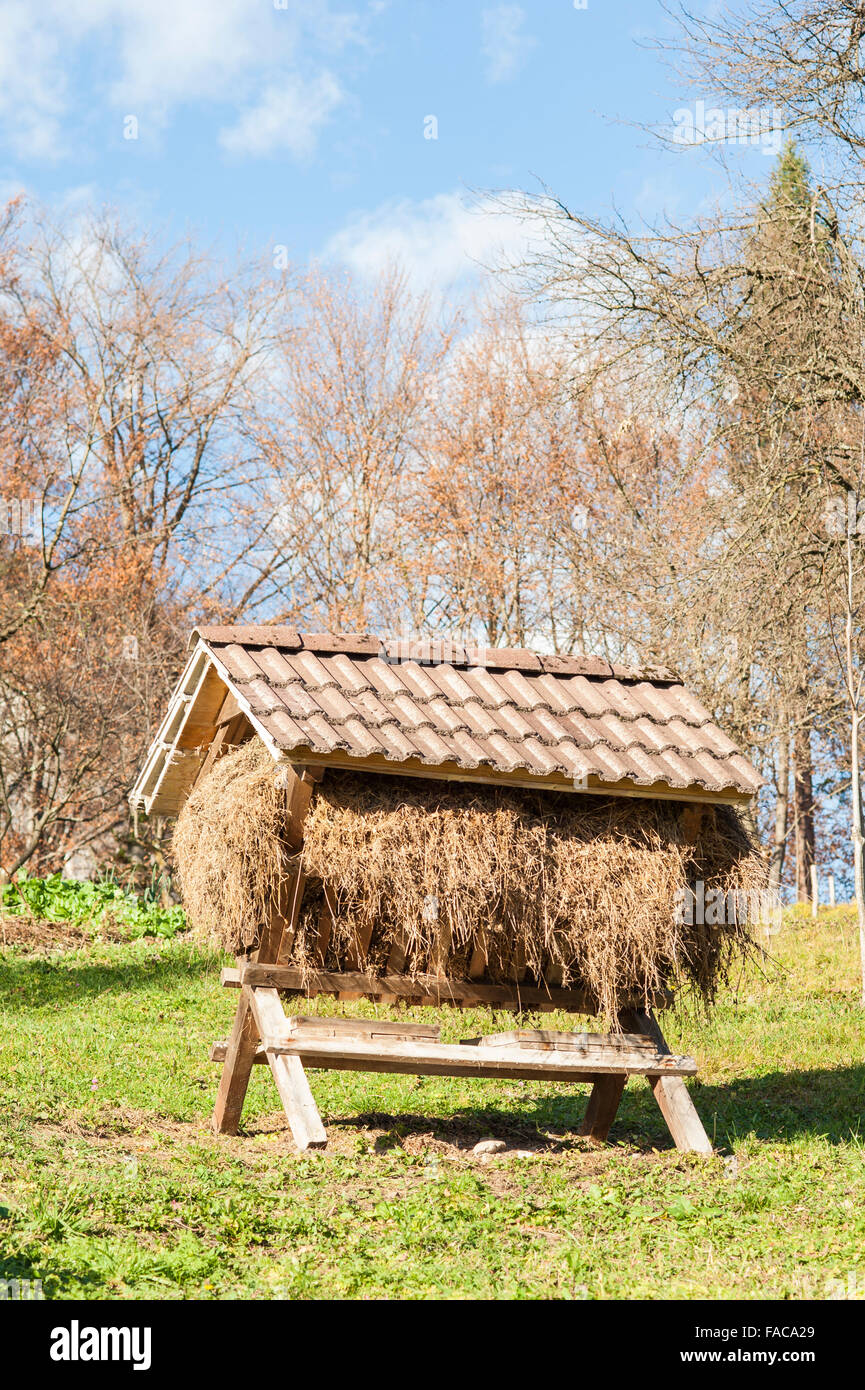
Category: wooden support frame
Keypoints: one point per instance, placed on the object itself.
(263, 1033)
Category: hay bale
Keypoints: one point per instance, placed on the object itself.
(555, 887)
(229, 849)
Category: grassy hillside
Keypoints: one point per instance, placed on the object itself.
(111, 1185)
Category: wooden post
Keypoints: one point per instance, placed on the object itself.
(602, 1107)
(815, 891)
(246, 1032)
(239, 1057)
(297, 1099)
(670, 1092)
(831, 890)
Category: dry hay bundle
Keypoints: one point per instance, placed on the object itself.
(555, 887)
(229, 848)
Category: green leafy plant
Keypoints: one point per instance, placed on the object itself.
(103, 902)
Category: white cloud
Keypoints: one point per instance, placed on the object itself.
(505, 47)
(285, 118)
(439, 241)
(32, 83)
(60, 60)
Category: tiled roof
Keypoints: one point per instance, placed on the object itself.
(513, 714)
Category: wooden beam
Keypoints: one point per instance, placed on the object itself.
(245, 1033)
(242, 1045)
(439, 990)
(369, 1028)
(691, 820)
(398, 955)
(554, 781)
(239, 1058)
(671, 1093)
(479, 960)
(455, 1059)
(549, 1040)
(297, 1099)
(291, 915)
(326, 920)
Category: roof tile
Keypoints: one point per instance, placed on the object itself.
(516, 713)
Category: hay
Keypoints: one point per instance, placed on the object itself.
(229, 849)
(567, 889)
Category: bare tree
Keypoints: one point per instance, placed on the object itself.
(327, 536)
(128, 377)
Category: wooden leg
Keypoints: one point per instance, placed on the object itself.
(603, 1104)
(277, 937)
(297, 1099)
(679, 1111)
(671, 1093)
(239, 1058)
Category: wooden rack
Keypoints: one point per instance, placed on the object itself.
(262, 1033)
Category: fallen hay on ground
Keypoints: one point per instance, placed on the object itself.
(442, 877)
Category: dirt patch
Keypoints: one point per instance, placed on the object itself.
(128, 1131)
(40, 937)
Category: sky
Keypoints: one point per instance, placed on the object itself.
(346, 132)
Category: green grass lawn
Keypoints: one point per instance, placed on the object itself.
(111, 1185)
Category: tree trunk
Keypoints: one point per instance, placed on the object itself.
(858, 840)
(803, 811)
(782, 807)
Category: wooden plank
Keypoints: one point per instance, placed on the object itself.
(602, 1107)
(398, 955)
(683, 1122)
(555, 781)
(370, 1028)
(230, 733)
(242, 1046)
(216, 744)
(431, 990)
(203, 715)
(243, 1042)
(295, 887)
(547, 1039)
(325, 924)
(297, 1099)
(356, 955)
(299, 787)
(691, 819)
(455, 1059)
(671, 1093)
(219, 1050)
(518, 965)
(229, 709)
(479, 958)
(442, 944)
(438, 990)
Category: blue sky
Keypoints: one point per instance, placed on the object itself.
(302, 122)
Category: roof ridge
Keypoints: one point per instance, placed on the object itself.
(430, 649)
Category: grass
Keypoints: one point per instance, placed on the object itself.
(112, 1187)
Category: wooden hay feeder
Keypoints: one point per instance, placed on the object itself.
(491, 720)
